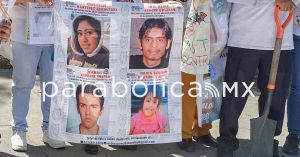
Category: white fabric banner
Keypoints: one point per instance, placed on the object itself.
(212, 83)
(116, 65)
(196, 49)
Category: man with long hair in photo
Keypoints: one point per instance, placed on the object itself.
(155, 37)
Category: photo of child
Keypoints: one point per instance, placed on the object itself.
(149, 113)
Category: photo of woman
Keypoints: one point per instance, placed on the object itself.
(86, 44)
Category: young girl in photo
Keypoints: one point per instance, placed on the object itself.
(148, 120)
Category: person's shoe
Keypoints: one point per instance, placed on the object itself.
(224, 153)
(91, 149)
(19, 141)
(187, 145)
(52, 142)
(226, 147)
(276, 152)
(291, 145)
(206, 140)
(129, 147)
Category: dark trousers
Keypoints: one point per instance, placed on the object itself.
(241, 67)
(293, 105)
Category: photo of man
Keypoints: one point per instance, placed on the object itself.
(155, 39)
(89, 102)
(86, 47)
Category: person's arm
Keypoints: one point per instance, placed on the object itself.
(43, 2)
(23, 2)
(5, 31)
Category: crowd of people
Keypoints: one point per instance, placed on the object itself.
(252, 34)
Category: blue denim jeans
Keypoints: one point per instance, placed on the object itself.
(26, 60)
(294, 97)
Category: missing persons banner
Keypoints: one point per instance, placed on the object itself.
(116, 73)
(39, 26)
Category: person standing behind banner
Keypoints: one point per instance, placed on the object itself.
(190, 127)
(5, 31)
(26, 59)
(252, 35)
(291, 145)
